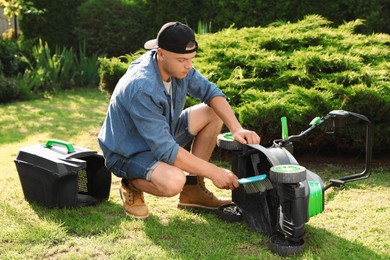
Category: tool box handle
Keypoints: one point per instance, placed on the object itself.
(68, 145)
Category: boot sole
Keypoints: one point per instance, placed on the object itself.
(134, 216)
(194, 206)
(129, 214)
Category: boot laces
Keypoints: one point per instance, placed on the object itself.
(203, 187)
(134, 195)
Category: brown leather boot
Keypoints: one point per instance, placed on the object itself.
(133, 201)
(196, 195)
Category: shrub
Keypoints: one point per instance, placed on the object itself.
(47, 71)
(111, 28)
(85, 70)
(54, 25)
(112, 69)
(10, 90)
(300, 70)
(11, 59)
(117, 27)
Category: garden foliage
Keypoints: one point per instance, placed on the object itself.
(27, 73)
(111, 28)
(60, 69)
(54, 23)
(118, 27)
(11, 59)
(298, 70)
(10, 90)
(112, 69)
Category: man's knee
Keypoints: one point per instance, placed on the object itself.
(215, 122)
(170, 181)
(203, 116)
(213, 118)
(174, 185)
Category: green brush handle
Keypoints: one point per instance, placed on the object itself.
(284, 128)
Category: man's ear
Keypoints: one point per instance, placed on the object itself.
(160, 54)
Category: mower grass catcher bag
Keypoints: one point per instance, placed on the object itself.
(58, 174)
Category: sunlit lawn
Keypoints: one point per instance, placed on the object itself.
(354, 225)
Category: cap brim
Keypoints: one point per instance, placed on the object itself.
(151, 44)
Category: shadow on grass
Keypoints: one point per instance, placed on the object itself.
(83, 221)
(204, 237)
(199, 234)
(216, 239)
(329, 246)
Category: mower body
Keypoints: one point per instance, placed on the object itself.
(286, 206)
(282, 211)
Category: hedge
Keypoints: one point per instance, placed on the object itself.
(11, 58)
(111, 28)
(300, 70)
(56, 25)
(118, 27)
(11, 91)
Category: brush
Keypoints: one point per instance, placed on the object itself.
(258, 183)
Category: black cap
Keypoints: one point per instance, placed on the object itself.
(175, 37)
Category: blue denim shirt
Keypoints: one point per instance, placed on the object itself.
(139, 116)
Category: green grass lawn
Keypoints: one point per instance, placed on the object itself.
(354, 225)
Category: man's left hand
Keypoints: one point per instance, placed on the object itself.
(245, 136)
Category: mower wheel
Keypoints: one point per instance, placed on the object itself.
(283, 247)
(288, 173)
(226, 141)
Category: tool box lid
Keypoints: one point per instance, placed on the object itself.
(59, 159)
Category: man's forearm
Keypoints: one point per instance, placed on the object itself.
(188, 162)
(225, 112)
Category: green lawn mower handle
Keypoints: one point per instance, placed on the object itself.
(337, 118)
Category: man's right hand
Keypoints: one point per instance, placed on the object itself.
(225, 179)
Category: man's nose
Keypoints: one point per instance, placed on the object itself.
(188, 64)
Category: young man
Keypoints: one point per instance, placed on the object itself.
(146, 127)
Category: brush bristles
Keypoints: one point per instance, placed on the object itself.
(254, 187)
(258, 186)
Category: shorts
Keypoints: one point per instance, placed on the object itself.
(141, 165)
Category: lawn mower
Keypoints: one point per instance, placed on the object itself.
(278, 196)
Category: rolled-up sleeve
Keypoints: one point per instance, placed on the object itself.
(201, 88)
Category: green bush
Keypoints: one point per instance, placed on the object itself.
(300, 71)
(85, 68)
(10, 90)
(55, 25)
(112, 69)
(48, 71)
(11, 59)
(111, 28)
(118, 27)
(41, 70)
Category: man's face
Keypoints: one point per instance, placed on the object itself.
(175, 64)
